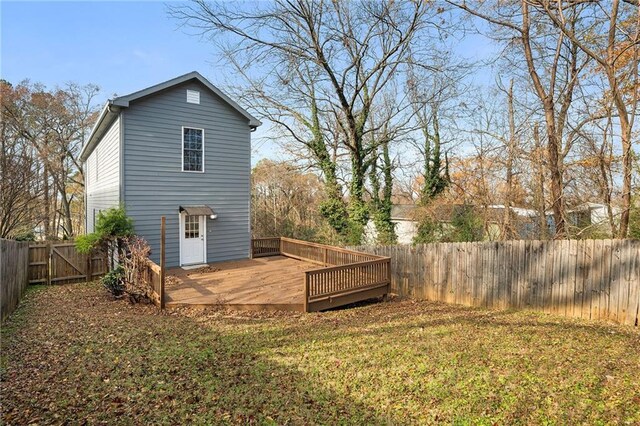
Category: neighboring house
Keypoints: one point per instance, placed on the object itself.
(179, 149)
(405, 218)
(593, 217)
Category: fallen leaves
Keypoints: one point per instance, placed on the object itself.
(71, 354)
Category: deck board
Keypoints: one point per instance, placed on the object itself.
(264, 283)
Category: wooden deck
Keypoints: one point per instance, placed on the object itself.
(269, 283)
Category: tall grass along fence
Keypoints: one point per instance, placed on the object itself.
(14, 274)
(344, 276)
(592, 279)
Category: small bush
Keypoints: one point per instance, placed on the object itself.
(26, 236)
(114, 223)
(86, 243)
(111, 225)
(113, 281)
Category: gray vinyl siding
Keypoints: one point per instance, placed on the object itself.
(155, 185)
(102, 172)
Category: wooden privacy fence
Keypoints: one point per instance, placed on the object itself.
(14, 274)
(591, 279)
(60, 262)
(347, 276)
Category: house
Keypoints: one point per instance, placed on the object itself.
(179, 149)
(406, 218)
(593, 218)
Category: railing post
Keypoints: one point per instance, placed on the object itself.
(281, 249)
(306, 292)
(388, 276)
(162, 259)
(324, 256)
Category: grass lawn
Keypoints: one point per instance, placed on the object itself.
(70, 353)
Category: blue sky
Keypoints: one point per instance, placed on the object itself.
(120, 46)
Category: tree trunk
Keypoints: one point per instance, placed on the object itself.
(47, 205)
(540, 186)
(507, 228)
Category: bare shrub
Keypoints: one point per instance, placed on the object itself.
(135, 264)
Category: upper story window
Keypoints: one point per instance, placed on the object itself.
(193, 96)
(192, 150)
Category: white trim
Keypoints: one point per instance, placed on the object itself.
(206, 247)
(182, 150)
(181, 216)
(180, 238)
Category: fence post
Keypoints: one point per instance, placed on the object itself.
(162, 260)
(305, 306)
(324, 256)
(89, 265)
(49, 262)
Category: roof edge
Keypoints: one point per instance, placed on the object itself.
(113, 106)
(106, 118)
(123, 101)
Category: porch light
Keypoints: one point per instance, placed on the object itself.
(213, 216)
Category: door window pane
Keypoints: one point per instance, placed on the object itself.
(191, 227)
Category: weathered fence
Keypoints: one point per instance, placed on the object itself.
(14, 274)
(60, 263)
(347, 276)
(596, 279)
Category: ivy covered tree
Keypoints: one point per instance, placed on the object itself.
(435, 173)
(381, 199)
(331, 64)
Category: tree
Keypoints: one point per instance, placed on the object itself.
(610, 37)
(553, 62)
(285, 202)
(333, 59)
(53, 124)
(20, 186)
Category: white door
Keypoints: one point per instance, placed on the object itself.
(192, 237)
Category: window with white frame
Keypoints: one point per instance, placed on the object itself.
(192, 149)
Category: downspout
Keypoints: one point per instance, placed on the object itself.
(121, 188)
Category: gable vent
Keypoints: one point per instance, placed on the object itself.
(193, 96)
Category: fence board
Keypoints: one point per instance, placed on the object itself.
(14, 274)
(596, 279)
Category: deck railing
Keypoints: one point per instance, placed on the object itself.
(347, 276)
(152, 275)
(261, 247)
